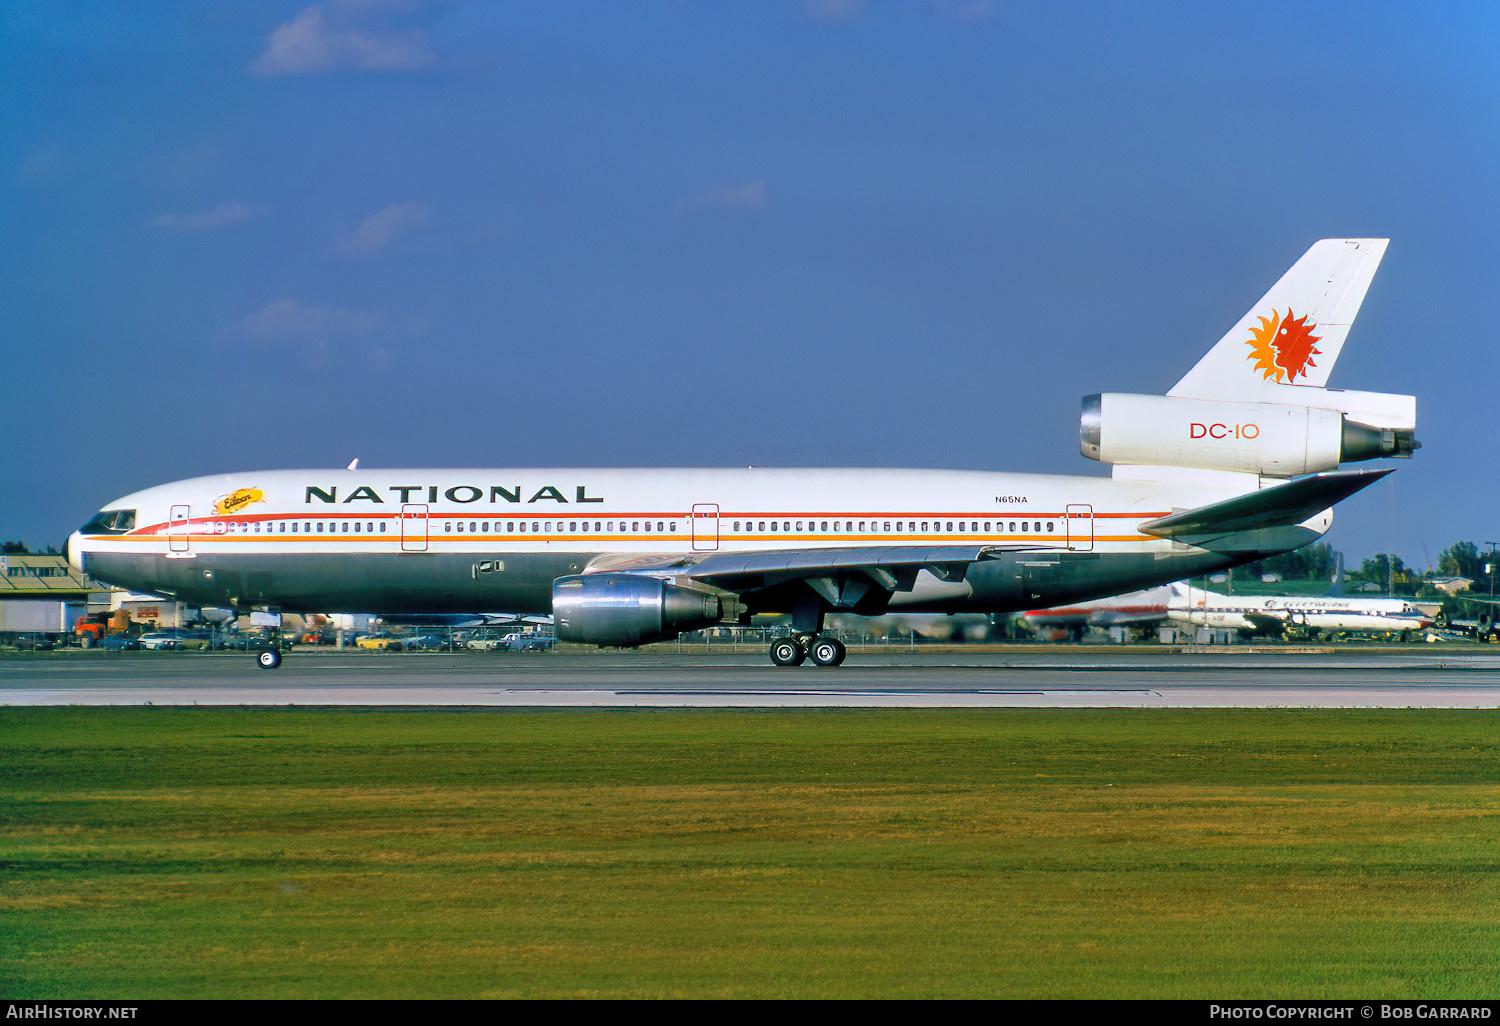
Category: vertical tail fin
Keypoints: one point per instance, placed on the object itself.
(1293, 335)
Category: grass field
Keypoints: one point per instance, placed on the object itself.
(1013, 853)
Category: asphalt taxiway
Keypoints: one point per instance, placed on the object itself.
(1048, 678)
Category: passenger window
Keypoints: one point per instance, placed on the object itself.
(786, 525)
(849, 525)
(763, 526)
(799, 526)
(773, 526)
(960, 527)
(536, 528)
(473, 527)
(861, 527)
(294, 528)
(460, 527)
(671, 526)
(547, 526)
(1050, 527)
(887, 527)
(835, 527)
(986, 527)
(320, 528)
(523, 528)
(1023, 527)
(898, 527)
(307, 528)
(1037, 526)
(356, 527)
(825, 526)
(1012, 525)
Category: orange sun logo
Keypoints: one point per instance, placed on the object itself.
(1283, 347)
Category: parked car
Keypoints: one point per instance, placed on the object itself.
(529, 641)
(429, 643)
(382, 641)
(35, 643)
(158, 641)
(119, 643)
(488, 639)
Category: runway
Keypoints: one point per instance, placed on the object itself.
(1051, 678)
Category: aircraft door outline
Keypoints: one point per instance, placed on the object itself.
(178, 523)
(414, 527)
(705, 526)
(1079, 521)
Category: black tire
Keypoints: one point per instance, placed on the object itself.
(787, 652)
(268, 659)
(827, 651)
(87, 641)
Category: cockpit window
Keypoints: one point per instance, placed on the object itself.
(110, 521)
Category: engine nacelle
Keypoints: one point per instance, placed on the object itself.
(627, 609)
(1249, 438)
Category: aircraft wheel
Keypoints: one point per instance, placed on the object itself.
(787, 652)
(268, 659)
(827, 651)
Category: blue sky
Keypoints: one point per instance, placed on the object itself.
(807, 232)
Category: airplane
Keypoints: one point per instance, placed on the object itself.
(1139, 609)
(1255, 614)
(1238, 461)
(1274, 614)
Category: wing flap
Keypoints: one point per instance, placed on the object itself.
(888, 565)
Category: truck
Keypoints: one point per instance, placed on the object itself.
(39, 616)
(92, 628)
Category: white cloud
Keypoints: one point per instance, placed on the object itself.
(46, 163)
(385, 228)
(221, 216)
(353, 35)
(317, 329)
(750, 196)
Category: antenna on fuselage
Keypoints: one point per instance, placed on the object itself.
(353, 464)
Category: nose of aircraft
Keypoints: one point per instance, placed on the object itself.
(74, 551)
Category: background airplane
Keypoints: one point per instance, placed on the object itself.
(1182, 604)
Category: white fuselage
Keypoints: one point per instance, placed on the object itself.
(1211, 609)
(448, 528)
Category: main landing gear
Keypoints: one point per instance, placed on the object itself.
(807, 625)
(792, 651)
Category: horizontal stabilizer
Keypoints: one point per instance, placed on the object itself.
(1283, 505)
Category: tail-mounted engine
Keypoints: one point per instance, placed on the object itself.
(627, 609)
(1248, 437)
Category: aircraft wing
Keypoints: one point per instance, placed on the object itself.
(890, 567)
(1283, 505)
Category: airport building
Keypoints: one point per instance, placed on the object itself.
(43, 592)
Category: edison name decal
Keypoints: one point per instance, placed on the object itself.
(1283, 347)
(237, 500)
